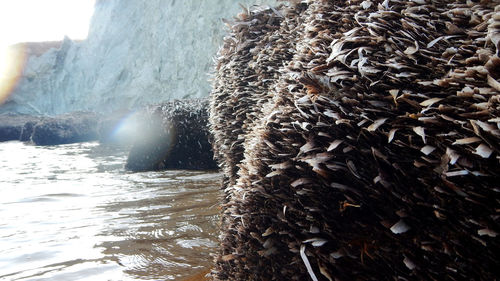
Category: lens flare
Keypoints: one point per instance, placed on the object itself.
(12, 60)
(127, 127)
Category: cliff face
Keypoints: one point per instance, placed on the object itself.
(137, 53)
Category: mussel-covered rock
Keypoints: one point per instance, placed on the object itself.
(27, 130)
(67, 128)
(173, 135)
(12, 126)
(247, 68)
(360, 141)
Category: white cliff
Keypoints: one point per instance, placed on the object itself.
(138, 52)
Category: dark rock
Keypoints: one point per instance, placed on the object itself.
(27, 130)
(11, 125)
(173, 135)
(8, 133)
(67, 128)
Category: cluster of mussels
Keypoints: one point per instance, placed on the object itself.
(360, 140)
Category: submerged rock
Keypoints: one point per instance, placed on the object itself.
(68, 128)
(360, 141)
(173, 135)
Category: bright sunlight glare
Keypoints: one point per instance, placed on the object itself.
(11, 64)
(37, 21)
(47, 20)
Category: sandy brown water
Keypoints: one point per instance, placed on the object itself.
(71, 212)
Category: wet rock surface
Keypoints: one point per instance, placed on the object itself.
(172, 135)
(44, 130)
(27, 131)
(12, 126)
(67, 128)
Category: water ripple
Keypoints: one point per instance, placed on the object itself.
(71, 212)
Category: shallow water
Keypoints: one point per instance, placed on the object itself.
(70, 212)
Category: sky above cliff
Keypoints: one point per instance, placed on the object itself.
(35, 21)
(47, 20)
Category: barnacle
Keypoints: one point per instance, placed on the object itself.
(374, 121)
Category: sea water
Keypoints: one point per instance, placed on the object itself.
(71, 212)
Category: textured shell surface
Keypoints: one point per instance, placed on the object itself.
(360, 140)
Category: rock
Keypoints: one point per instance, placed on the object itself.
(8, 132)
(373, 153)
(172, 135)
(27, 131)
(152, 145)
(12, 125)
(163, 48)
(68, 128)
(43, 130)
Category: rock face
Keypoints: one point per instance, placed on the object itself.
(173, 135)
(27, 130)
(42, 130)
(159, 47)
(12, 126)
(68, 128)
(360, 141)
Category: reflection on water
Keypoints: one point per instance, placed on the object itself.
(70, 212)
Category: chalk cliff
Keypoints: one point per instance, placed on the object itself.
(137, 53)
